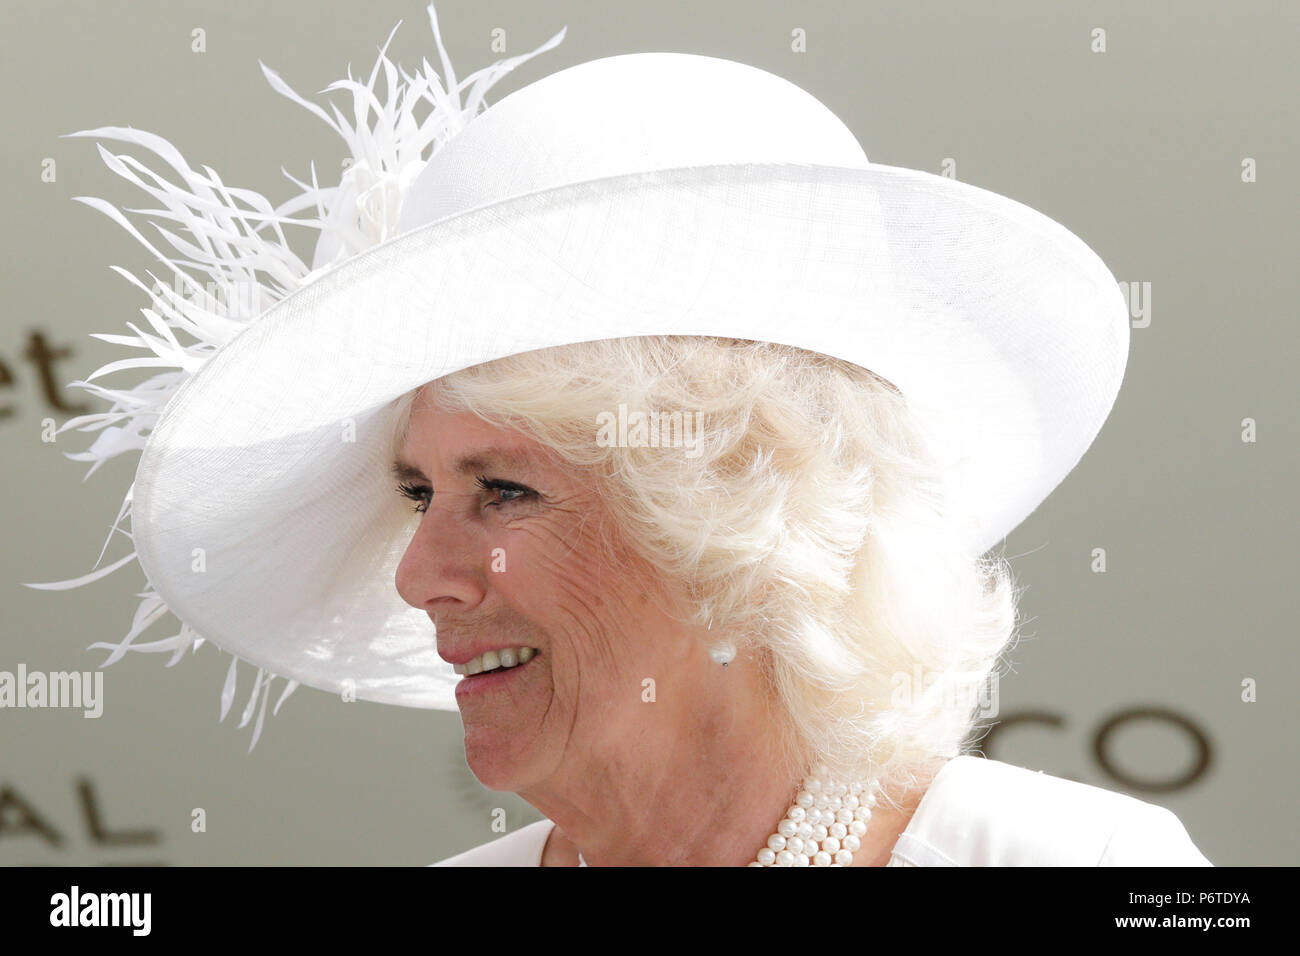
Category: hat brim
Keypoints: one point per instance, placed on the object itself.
(1007, 335)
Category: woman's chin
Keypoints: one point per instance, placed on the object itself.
(493, 761)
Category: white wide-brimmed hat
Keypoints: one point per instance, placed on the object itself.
(641, 194)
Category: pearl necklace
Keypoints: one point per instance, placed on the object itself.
(824, 826)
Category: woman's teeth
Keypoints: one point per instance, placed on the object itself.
(492, 660)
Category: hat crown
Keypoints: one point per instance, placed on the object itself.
(631, 113)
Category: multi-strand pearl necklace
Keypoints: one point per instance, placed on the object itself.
(824, 826)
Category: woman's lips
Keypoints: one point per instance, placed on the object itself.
(499, 657)
(486, 682)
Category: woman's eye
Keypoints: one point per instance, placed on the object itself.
(508, 491)
(418, 493)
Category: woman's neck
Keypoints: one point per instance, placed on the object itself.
(883, 830)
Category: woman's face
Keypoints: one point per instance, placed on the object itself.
(517, 564)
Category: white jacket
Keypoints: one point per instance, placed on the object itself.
(980, 812)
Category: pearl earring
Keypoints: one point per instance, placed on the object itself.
(722, 653)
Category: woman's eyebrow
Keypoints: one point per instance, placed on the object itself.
(492, 459)
(475, 462)
(405, 471)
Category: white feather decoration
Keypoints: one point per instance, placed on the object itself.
(230, 261)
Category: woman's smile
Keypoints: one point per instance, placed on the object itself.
(489, 681)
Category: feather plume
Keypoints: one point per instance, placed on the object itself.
(228, 260)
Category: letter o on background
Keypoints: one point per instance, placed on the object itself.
(1101, 741)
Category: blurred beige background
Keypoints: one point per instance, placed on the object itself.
(1138, 149)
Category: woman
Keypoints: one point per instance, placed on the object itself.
(698, 597)
(805, 537)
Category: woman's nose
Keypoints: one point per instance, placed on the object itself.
(443, 564)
